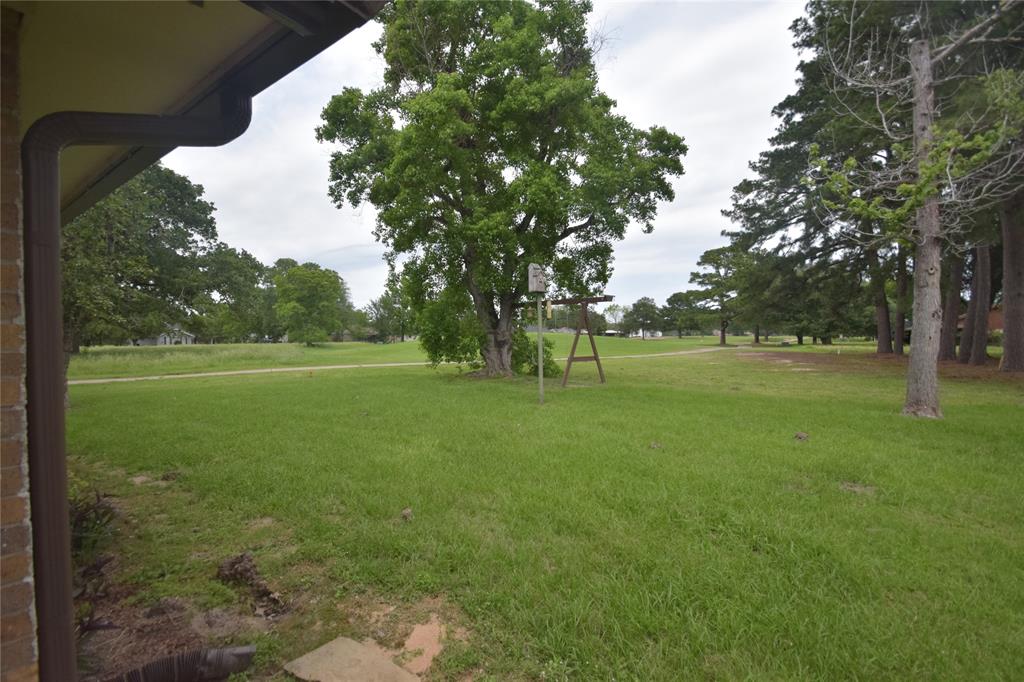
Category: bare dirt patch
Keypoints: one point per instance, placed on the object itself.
(132, 634)
(413, 635)
(846, 360)
(857, 488)
(240, 571)
(262, 522)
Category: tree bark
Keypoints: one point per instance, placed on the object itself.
(721, 332)
(883, 329)
(979, 334)
(951, 308)
(900, 322)
(799, 339)
(967, 333)
(757, 334)
(497, 347)
(1012, 226)
(71, 347)
(923, 373)
(497, 353)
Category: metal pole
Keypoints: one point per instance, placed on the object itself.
(540, 348)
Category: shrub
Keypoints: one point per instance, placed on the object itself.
(524, 355)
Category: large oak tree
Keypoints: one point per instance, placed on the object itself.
(489, 146)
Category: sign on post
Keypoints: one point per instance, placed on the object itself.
(538, 284)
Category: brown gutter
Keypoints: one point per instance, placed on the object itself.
(40, 152)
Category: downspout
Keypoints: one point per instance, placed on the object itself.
(40, 152)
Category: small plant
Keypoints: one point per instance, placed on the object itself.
(524, 355)
(91, 519)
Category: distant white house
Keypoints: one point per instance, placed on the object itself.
(174, 336)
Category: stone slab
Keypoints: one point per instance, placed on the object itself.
(346, 660)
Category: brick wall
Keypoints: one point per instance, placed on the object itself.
(17, 612)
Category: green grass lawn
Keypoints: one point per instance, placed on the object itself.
(126, 361)
(664, 526)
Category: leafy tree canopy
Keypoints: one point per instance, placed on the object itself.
(310, 300)
(489, 146)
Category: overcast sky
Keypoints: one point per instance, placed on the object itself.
(709, 71)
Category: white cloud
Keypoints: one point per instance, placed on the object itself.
(708, 71)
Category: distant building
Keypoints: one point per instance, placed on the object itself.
(174, 336)
(995, 320)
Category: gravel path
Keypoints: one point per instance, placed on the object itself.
(275, 370)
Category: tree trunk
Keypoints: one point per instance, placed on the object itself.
(497, 348)
(721, 332)
(71, 347)
(979, 334)
(1010, 219)
(900, 322)
(799, 339)
(923, 372)
(826, 340)
(757, 333)
(967, 333)
(882, 327)
(497, 352)
(951, 308)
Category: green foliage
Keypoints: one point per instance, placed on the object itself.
(643, 316)
(524, 354)
(91, 519)
(682, 313)
(490, 146)
(130, 262)
(309, 302)
(391, 314)
(449, 331)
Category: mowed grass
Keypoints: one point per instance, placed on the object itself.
(127, 361)
(664, 526)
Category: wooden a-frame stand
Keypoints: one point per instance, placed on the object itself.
(584, 323)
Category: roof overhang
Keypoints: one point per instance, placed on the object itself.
(163, 57)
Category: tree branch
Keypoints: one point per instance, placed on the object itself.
(972, 34)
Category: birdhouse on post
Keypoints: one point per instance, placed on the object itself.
(537, 281)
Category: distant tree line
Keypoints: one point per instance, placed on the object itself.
(147, 258)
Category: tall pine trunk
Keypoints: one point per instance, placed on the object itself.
(882, 327)
(967, 333)
(923, 372)
(951, 308)
(979, 333)
(900, 323)
(1012, 225)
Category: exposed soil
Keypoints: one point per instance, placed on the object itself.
(240, 571)
(135, 634)
(138, 635)
(853, 361)
(857, 488)
(413, 635)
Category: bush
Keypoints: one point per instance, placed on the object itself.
(91, 520)
(524, 355)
